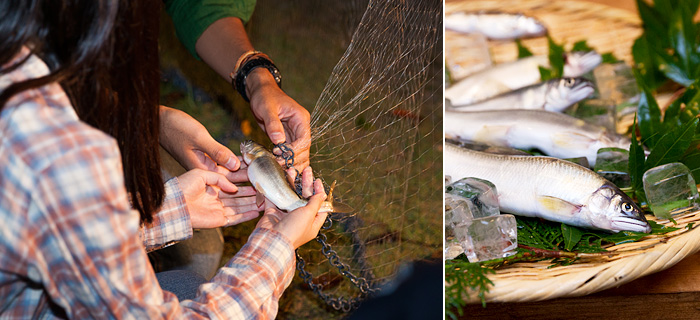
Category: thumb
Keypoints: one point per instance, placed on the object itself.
(273, 127)
(220, 154)
(216, 179)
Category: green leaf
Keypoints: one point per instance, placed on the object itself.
(609, 58)
(636, 161)
(572, 236)
(648, 115)
(645, 62)
(581, 46)
(545, 74)
(691, 159)
(672, 145)
(556, 58)
(523, 52)
(654, 22)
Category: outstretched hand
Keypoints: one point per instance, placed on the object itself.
(213, 200)
(189, 142)
(300, 225)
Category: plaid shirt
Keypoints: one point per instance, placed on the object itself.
(71, 246)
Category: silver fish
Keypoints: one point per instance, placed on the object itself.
(268, 178)
(554, 95)
(515, 75)
(549, 188)
(555, 134)
(495, 25)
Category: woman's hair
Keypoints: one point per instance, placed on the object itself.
(104, 53)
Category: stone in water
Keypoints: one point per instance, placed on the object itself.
(492, 237)
(671, 191)
(612, 164)
(480, 196)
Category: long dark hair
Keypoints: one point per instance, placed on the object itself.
(104, 54)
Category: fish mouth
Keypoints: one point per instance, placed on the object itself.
(630, 224)
(582, 90)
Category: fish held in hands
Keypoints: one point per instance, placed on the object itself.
(514, 75)
(554, 95)
(555, 134)
(549, 188)
(269, 180)
(495, 25)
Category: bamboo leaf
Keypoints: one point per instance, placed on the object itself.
(609, 58)
(691, 159)
(572, 236)
(581, 46)
(523, 52)
(672, 145)
(556, 58)
(650, 76)
(654, 22)
(648, 115)
(636, 161)
(545, 74)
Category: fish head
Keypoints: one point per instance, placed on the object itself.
(611, 209)
(251, 150)
(578, 63)
(566, 91)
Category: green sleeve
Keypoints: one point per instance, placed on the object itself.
(192, 17)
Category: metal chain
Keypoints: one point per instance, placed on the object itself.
(337, 303)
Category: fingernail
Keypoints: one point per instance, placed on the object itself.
(277, 137)
(231, 163)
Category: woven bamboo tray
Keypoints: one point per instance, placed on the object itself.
(607, 30)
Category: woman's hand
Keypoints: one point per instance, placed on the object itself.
(189, 142)
(282, 118)
(301, 225)
(213, 200)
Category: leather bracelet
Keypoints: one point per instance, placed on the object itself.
(245, 56)
(248, 66)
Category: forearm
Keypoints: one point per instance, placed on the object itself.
(220, 46)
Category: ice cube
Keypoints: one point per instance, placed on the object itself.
(491, 237)
(671, 190)
(453, 247)
(596, 111)
(480, 196)
(615, 81)
(611, 164)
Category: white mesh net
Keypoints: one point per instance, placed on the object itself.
(376, 129)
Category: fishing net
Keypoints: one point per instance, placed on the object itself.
(370, 73)
(376, 130)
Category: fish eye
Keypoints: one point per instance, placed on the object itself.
(627, 207)
(569, 82)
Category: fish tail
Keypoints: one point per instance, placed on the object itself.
(331, 206)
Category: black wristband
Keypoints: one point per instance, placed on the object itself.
(250, 65)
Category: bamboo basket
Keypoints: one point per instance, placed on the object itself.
(607, 30)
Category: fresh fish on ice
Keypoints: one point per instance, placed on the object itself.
(549, 188)
(269, 180)
(554, 95)
(515, 75)
(555, 134)
(495, 25)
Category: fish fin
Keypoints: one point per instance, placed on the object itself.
(331, 206)
(493, 134)
(572, 140)
(558, 206)
(339, 207)
(259, 195)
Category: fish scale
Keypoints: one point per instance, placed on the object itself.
(549, 188)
